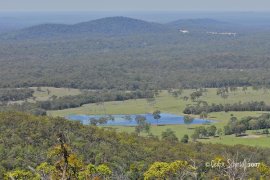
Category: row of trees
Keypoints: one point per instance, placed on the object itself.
(203, 106)
(101, 120)
(141, 122)
(238, 127)
(27, 107)
(65, 102)
(92, 97)
(202, 132)
(13, 94)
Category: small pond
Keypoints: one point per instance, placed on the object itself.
(129, 120)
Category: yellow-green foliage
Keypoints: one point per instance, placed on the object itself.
(21, 175)
(158, 170)
(104, 170)
(45, 169)
(95, 172)
(162, 170)
(74, 164)
(264, 170)
(75, 169)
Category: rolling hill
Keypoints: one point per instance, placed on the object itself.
(111, 26)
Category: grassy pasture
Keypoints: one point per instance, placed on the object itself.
(46, 93)
(166, 103)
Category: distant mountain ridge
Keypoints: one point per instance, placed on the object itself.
(117, 26)
(105, 26)
(120, 25)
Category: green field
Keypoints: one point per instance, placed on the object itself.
(43, 95)
(166, 103)
(46, 93)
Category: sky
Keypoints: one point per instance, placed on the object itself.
(134, 5)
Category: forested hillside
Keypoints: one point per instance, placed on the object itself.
(133, 55)
(27, 141)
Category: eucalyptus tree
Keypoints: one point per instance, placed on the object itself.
(142, 124)
(169, 135)
(188, 120)
(185, 139)
(244, 89)
(223, 93)
(185, 98)
(195, 95)
(233, 89)
(156, 115)
(203, 115)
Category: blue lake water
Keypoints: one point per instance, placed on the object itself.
(129, 120)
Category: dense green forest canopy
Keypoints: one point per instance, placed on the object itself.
(134, 60)
(26, 139)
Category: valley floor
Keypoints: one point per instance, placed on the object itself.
(169, 104)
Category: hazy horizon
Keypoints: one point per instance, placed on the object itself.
(68, 17)
(129, 5)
